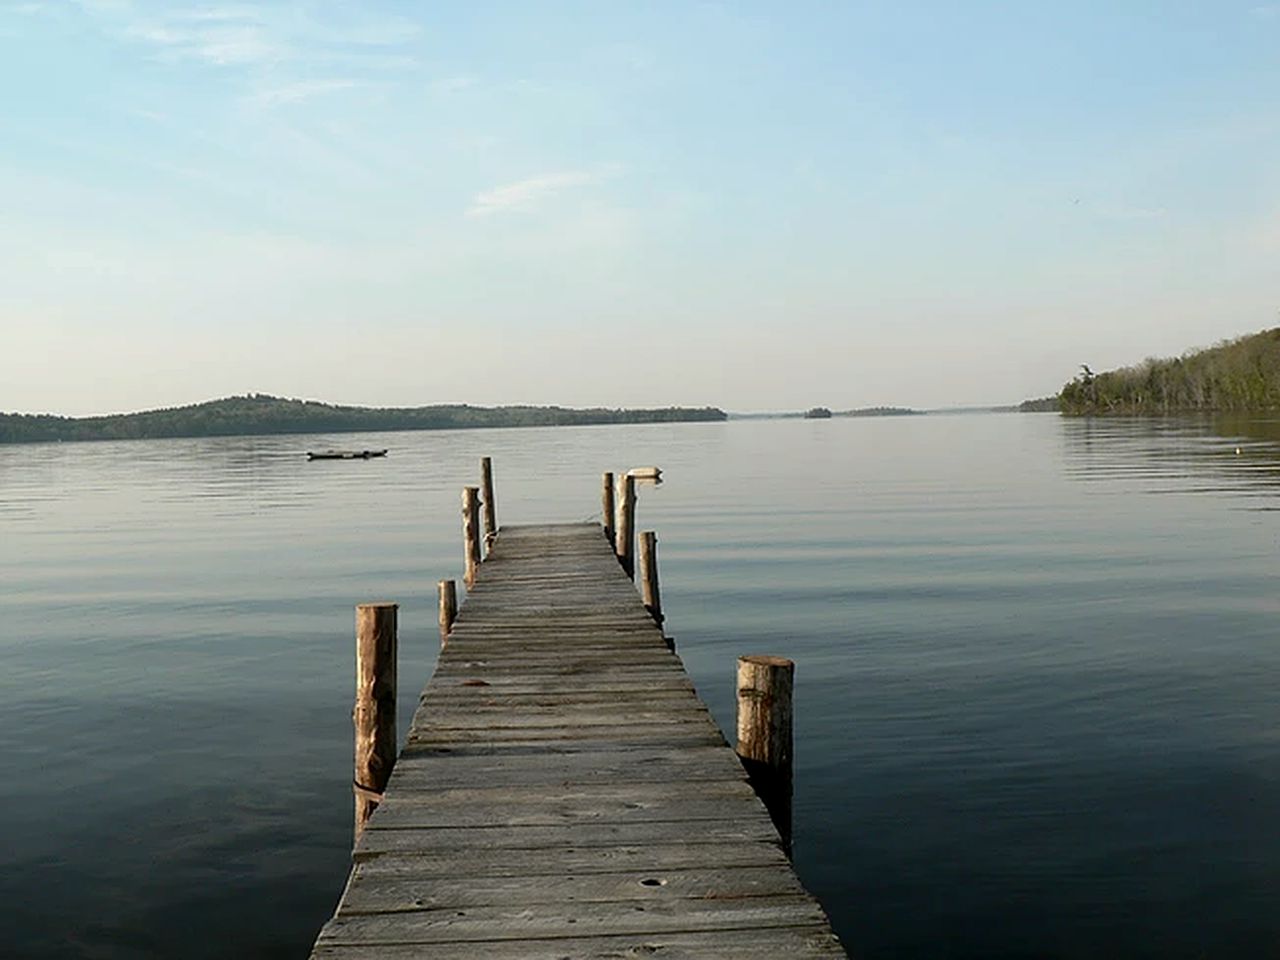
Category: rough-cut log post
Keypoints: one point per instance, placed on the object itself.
(490, 511)
(606, 506)
(448, 594)
(471, 533)
(764, 734)
(625, 543)
(649, 574)
(374, 715)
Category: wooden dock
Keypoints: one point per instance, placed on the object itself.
(564, 793)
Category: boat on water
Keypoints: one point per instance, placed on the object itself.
(344, 454)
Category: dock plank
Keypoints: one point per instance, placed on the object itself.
(379, 894)
(518, 921)
(453, 865)
(564, 793)
(813, 942)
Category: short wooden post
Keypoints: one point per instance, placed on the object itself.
(764, 734)
(649, 574)
(374, 715)
(471, 533)
(625, 542)
(606, 505)
(486, 494)
(447, 590)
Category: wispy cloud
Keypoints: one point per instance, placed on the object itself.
(452, 84)
(227, 35)
(246, 35)
(227, 12)
(387, 32)
(527, 194)
(221, 42)
(301, 90)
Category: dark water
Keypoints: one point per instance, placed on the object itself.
(1038, 666)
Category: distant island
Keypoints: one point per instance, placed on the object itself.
(1041, 405)
(879, 412)
(1239, 375)
(263, 414)
(822, 413)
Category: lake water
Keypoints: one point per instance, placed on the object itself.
(1037, 668)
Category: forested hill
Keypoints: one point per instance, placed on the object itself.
(1236, 375)
(261, 414)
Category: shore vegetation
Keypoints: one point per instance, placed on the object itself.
(1235, 375)
(263, 414)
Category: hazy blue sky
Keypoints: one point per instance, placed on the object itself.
(755, 205)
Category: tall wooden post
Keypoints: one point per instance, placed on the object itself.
(625, 542)
(447, 590)
(374, 715)
(606, 505)
(649, 574)
(764, 734)
(471, 533)
(490, 511)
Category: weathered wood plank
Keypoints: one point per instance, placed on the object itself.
(422, 811)
(499, 685)
(519, 922)
(378, 838)
(636, 674)
(812, 942)
(607, 658)
(557, 713)
(422, 768)
(452, 864)
(496, 751)
(620, 737)
(442, 733)
(585, 691)
(549, 673)
(455, 696)
(629, 795)
(379, 894)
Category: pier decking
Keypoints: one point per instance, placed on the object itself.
(564, 793)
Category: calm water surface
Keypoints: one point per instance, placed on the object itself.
(1036, 683)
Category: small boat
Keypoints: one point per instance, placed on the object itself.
(646, 473)
(344, 454)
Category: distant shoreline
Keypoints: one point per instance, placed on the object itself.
(263, 415)
(1234, 376)
(822, 413)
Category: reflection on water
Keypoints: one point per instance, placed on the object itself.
(1226, 454)
(1035, 682)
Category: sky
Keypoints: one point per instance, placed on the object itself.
(758, 206)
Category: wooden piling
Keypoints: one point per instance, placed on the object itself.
(606, 505)
(625, 537)
(486, 494)
(765, 735)
(471, 533)
(649, 575)
(447, 591)
(374, 715)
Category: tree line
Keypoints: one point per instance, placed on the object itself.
(263, 414)
(1235, 375)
